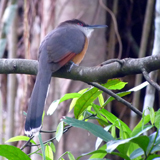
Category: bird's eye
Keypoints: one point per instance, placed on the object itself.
(80, 24)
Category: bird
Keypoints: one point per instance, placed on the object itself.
(67, 42)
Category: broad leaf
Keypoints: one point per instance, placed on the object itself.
(142, 141)
(113, 119)
(141, 123)
(157, 119)
(136, 153)
(48, 153)
(112, 145)
(53, 107)
(53, 147)
(73, 102)
(96, 130)
(12, 153)
(115, 84)
(69, 96)
(85, 100)
(121, 94)
(20, 138)
(101, 99)
(98, 154)
(59, 131)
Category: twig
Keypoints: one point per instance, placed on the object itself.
(116, 97)
(26, 144)
(151, 82)
(53, 131)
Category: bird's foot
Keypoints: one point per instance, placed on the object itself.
(72, 64)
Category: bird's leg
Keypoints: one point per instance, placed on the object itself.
(72, 64)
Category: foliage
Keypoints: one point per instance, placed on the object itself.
(128, 144)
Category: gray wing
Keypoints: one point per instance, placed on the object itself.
(62, 42)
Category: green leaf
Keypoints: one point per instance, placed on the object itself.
(113, 131)
(152, 142)
(140, 124)
(53, 107)
(75, 99)
(69, 96)
(115, 84)
(20, 138)
(157, 119)
(100, 153)
(101, 99)
(48, 153)
(59, 131)
(43, 116)
(123, 148)
(12, 153)
(96, 108)
(136, 153)
(121, 155)
(93, 128)
(70, 156)
(99, 140)
(112, 145)
(53, 147)
(85, 100)
(156, 148)
(152, 115)
(132, 146)
(42, 146)
(153, 157)
(121, 94)
(142, 141)
(113, 119)
(137, 130)
(158, 137)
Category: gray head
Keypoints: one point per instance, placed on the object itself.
(85, 28)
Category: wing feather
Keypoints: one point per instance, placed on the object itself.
(62, 42)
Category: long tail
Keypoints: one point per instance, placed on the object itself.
(37, 102)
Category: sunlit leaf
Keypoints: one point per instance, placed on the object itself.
(101, 99)
(69, 96)
(75, 99)
(85, 100)
(115, 84)
(53, 107)
(20, 138)
(53, 147)
(48, 153)
(59, 131)
(157, 119)
(113, 119)
(152, 115)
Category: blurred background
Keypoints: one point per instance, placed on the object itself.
(24, 23)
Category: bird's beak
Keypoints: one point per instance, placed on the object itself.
(96, 26)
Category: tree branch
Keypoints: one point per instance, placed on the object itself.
(87, 74)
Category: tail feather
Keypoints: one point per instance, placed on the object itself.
(37, 102)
